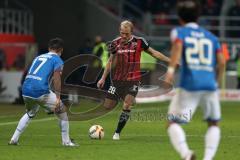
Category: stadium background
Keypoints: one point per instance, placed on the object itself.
(27, 25)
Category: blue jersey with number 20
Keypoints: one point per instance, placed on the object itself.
(199, 57)
(37, 80)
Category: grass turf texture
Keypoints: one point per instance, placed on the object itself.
(143, 138)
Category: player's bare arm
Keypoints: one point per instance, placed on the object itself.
(158, 55)
(107, 69)
(176, 51)
(220, 67)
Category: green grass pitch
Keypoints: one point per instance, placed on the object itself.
(143, 138)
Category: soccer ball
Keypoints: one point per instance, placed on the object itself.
(96, 132)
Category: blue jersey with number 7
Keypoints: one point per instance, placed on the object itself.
(37, 80)
(199, 57)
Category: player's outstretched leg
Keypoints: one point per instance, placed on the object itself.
(19, 130)
(64, 126)
(212, 139)
(178, 140)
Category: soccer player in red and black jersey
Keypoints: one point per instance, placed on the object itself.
(124, 64)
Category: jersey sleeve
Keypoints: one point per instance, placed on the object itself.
(58, 64)
(176, 35)
(145, 44)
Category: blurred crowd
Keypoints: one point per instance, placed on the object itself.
(234, 11)
(162, 10)
(17, 65)
(210, 7)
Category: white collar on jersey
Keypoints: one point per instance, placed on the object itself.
(52, 53)
(192, 25)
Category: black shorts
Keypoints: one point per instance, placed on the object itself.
(119, 89)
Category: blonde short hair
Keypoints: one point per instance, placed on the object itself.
(126, 24)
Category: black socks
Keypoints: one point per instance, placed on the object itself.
(123, 120)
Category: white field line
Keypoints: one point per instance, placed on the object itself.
(7, 116)
(37, 120)
(47, 119)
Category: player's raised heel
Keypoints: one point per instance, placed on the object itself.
(116, 136)
(11, 142)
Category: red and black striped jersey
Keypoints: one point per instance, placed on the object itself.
(127, 57)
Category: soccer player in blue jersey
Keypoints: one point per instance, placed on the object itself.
(37, 93)
(201, 70)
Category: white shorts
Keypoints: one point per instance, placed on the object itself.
(184, 105)
(47, 101)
